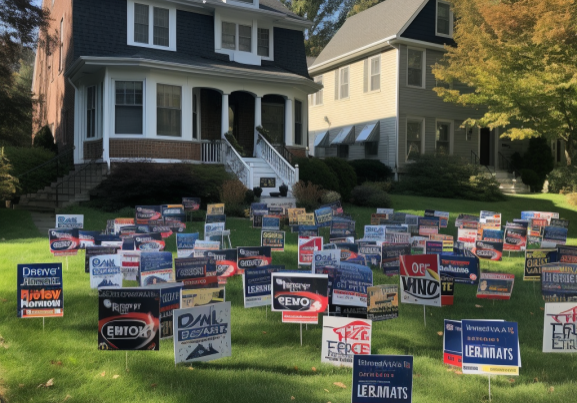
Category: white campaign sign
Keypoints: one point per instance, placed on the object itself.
(343, 338)
(559, 329)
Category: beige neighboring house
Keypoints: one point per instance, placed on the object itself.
(378, 100)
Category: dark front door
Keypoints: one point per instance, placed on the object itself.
(485, 151)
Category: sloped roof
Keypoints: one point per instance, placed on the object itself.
(377, 23)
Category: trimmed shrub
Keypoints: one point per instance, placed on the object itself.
(572, 199)
(345, 173)
(448, 177)
(532, 179)
(132, 184)
(538, 158)
(44, 139)
(317, 172)
(249, 196)
(384, 186)
(233, 194)
(308, 195)
(330, 197)
(370, 196)
(371, 170)
(563, 180)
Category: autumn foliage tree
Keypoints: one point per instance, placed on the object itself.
(519, 60)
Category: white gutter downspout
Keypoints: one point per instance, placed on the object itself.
(398, 108)
(76, 129)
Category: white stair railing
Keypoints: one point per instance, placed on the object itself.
(279, 165)
(235, 163)
(211, 152)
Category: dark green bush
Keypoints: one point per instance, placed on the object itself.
(516, 163)
(370, 196)
(371, 170)
(249, 196)
(133, 184)
(563, 179)
(44, 139)
(345, 173)
(449, 177)
(538, 157)
(532, 179)
(317, 172)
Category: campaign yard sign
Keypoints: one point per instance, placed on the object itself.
(559, 282)
(300, 292)
(40, 290)
(447, 290)
(213, 230)
(250, 256)
(491, 250)
(191, 203)
(420, 280)
(202, 333)
(350, 284)
(128, 319)
(105, 271)
(559, 330)
(467, 236)
(534, 260)
(382, 379)
(155, 268)
(170, 294)
(215, 218)
(324, 216)
(202, 296)
(63, 242)
(383, 302)
(371, 252)
(226, 262)
(87, 238)
(306, 318)
(196, 272)
(270, 222)
(256, 285)
(185, 244)
(212, 209)
(307, 246)
(463, 269)
(70, 221)
(390, 258)
(490, 347)
(343, 338)
(515, 237)
(452, 347)
(567, 254)
(273, 239)
(149, 242)
(375, 233)
(495, 285)
(553, 236)
(95, 251)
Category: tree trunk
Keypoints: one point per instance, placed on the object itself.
(569, 150)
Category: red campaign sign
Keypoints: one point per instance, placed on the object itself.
(420, 280)
(453, 359)
(417, 265)
(306, 249)
(311, 318)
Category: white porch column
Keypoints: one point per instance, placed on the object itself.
(224, 115)
(106, 118)
(288, 122)
(257, 119)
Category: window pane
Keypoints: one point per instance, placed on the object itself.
(344, 83)
(415, 68)
(140, 23)
(442, 138)
(263, 42)
(228, 35)
(443, 15)
(318, 97)
(120, 86)
(375, 73)
(168, 113)
(161, 26)
(414, 134)
(244, 38)
(128, 119)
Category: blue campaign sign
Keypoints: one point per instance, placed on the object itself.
(324, 216)
(155, 268)
(490, 347)
(351, 283)
(186, 241)
(556, 235)
(256, 285)
(39, 290)
(462, 268)
(452, 348)
(382, 378)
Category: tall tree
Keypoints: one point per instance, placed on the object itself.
(20, 23)
(519, 60)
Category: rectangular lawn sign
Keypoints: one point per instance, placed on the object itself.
(215, 218)
(515, 237)
(390, 258)
(226, 262)
(191, 203)
(149, 242)
(215, 209)
(382, 379)
(553, 236)
(559, 329)
(105, 271)
(155, 268)
(306, 249)
(324, 216)
(383, 302)
(70, 221)
(87, 238)
(567, 254)
(256, 285)
(305, 318)
(196, 272)
(495, 285)
(299, 292)
(40, 290)
(202, 333)
(128, 319)
(490, 347)
(271, 222)
(447, 290)
(326, 258)
(490, 250)
(213, 231)
(202, 296)
(250, 256)
(420, 280)
(146, 214)
(343, 338)
(374, 233)
(350, 285)
(559, 282)
(463, 269)
(452, 343)
(185, 244)
(63, 242)
(534, 259)
(170, 294)
(96, 251)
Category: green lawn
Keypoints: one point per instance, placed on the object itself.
(267, 364)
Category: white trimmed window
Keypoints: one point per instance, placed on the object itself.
(443, 137)
(263, 42)
(128, 115)
(237, 37)
(317, 98)
(415, 138)
(91, 112)
(416, 68)
(342, 83)
(168, 110)
(372, 74)
(150, 26)
(444, 19)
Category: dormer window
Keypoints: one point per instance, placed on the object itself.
(150, 26)
(231, 31)
(444, 19)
